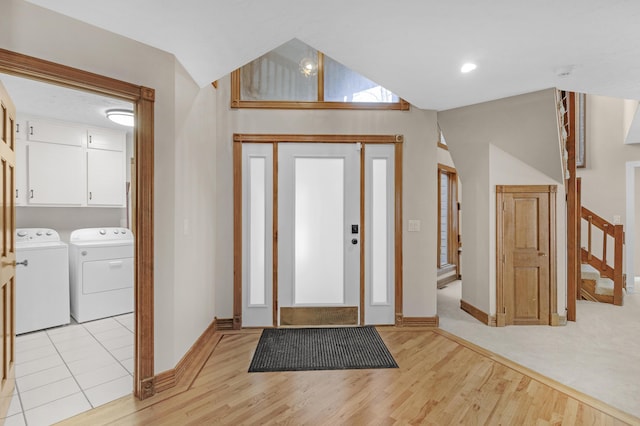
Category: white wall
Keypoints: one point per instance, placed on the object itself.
(604, 177)
(524, 129)
(420, 161)
(185, 118)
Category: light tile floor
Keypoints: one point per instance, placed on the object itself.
(63, 371)
(598, 355)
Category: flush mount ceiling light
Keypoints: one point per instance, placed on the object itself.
(123, 117)
(468, 67)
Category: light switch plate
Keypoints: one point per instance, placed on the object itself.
(414, 225)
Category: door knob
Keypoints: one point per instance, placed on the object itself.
(354, 241)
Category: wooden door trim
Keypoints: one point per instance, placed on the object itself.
(240, 138)
(551, 190)
(143, 98)
(452, 219)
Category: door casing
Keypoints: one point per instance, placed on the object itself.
(275, 139)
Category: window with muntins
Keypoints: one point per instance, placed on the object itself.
(296, 76)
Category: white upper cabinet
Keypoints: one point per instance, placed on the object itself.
(21, 172)
(69, 164)
(106, 139)
(56, 174)
(55, 132)
(105, 178)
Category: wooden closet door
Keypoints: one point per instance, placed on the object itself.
(524, 256)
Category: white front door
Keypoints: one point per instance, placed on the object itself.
(318, 225)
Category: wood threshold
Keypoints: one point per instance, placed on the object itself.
(190, 401)
(143, 222)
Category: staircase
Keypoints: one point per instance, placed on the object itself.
(601, 282)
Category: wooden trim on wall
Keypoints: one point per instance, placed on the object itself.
(237, 235)
(478, 314)
(312, 138)
(361, 234)
(143, 98)
(240, 138)
(193, 359)
(421, 321)
(275, 236)
(398, 231)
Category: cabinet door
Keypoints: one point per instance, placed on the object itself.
(106, 139)
(53, 132)
(21, 172)
(55, 174)
(105, 178)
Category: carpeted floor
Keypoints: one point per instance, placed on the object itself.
(599, 354)
(340, 348)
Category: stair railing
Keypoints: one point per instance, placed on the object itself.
(614, 273)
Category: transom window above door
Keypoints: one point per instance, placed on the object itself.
(296, 76)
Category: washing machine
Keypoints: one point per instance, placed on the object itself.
(100, 273)
(42, 280)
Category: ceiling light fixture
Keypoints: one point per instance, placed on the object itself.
(123, 117)
(468, 67)
(308, 67)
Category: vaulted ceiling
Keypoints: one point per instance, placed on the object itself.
(413, 47)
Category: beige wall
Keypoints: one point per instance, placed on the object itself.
(183, 306)
(490, 144)
(604, 177)
(420, 135)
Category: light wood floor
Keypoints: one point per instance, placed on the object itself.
(441, 380)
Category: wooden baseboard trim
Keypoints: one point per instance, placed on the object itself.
(557, 320)
(421, 321)
(478, 314)
(224, 324)
(171, 378)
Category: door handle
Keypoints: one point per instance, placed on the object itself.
(14, 263)
(354, 241)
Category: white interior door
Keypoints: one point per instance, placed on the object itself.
(379, 297)
(318, 225)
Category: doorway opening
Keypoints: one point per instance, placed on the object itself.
(142, 189)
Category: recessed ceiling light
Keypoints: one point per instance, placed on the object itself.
(123, 117)
(468, 67)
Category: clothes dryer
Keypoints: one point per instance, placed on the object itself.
(100, 273)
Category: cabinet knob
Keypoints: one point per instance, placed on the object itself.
(31, 194)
